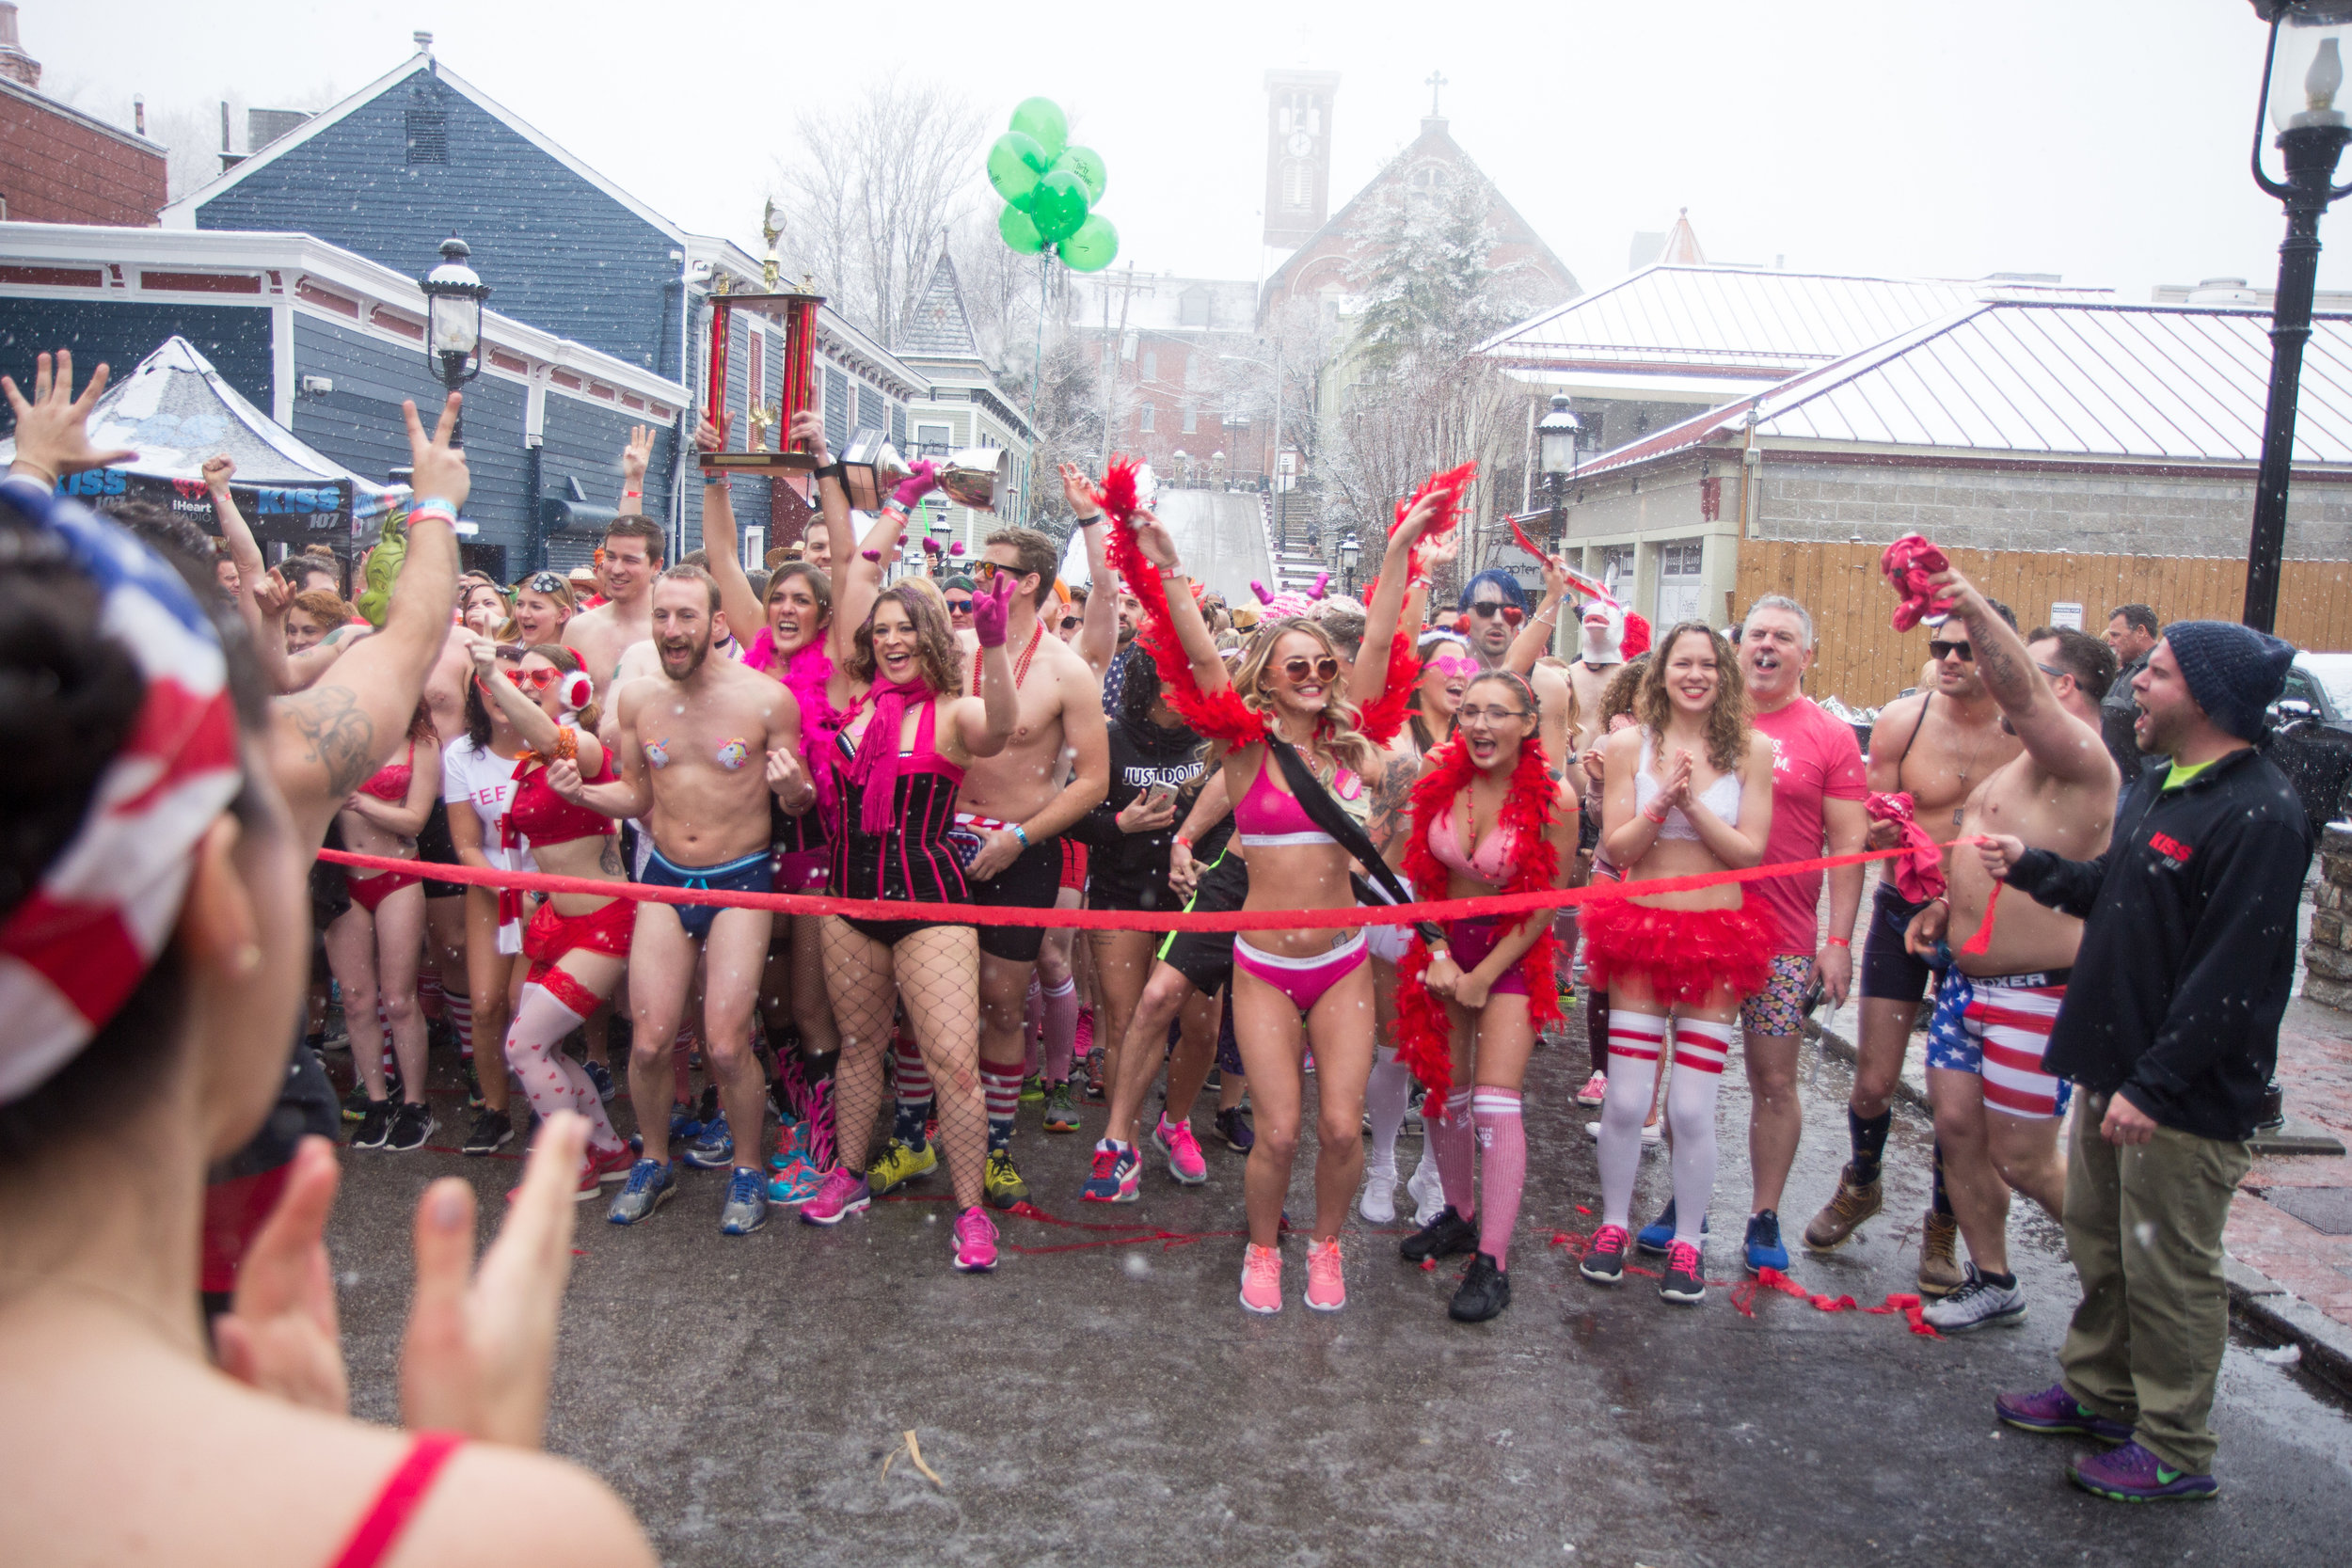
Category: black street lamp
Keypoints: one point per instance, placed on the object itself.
(1350, 551)
(1556, 436)
(2301, 80)
(452, 336)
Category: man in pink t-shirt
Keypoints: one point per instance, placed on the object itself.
(1818, 787)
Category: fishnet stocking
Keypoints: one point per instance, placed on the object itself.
(936, 973)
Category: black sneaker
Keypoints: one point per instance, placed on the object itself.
(1604, 1256)
(411, 1125)
(376, 1123)
(1447, 1236)
(1484, 1292)
(1683, 1283)
(474, 1090)
(490, 1132)
(1232, 1125)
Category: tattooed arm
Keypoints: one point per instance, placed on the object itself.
(1392, 803)
(2060, 744)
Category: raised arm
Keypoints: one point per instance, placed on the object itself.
(1183, 616)
(857, 577)
(985, 723)
(721, 543)
(2060, 744)
(634, 457)
(631, 794)
(243, 553)
(1098, 628)
(1371, 675)
(538, 732)
(1534, 639)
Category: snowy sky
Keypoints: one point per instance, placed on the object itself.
(2103, 139)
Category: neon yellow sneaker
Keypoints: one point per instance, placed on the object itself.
(1002, 1182)
(1033, 1089)
(900, 1164)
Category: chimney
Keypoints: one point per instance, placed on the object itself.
(16, 65)
(424, 41)
(228, 160)
(138, 112)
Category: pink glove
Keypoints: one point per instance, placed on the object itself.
(1920, 871)
(1909, 561)
(991, 609)
(921, 481)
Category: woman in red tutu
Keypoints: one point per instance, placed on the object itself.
(1688, 790)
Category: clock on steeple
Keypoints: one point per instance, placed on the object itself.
(1298, 153)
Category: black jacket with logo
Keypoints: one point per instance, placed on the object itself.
(2187, 955)
(1129, 871)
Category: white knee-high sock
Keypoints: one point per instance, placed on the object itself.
(1636, 1041)
(1700, 1048)
(1386, 1093)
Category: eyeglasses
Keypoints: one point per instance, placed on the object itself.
(1511, 613)
(2054, 675)
(959, 606)
(1326, 669)
(1496, 716)
(545, 582)
(534, 680)
(1939, 650)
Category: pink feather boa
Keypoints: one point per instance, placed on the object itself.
(805, 674)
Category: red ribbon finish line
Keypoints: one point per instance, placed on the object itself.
(1104, 920)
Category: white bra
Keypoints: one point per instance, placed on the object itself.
(1721, 798)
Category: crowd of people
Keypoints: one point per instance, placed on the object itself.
(983, 737)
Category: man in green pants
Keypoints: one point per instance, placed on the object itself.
(2170, 1025)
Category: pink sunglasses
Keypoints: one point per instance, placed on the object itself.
(1451, 665)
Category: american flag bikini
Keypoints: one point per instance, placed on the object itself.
(73, 951)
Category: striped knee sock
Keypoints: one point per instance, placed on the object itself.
(914, 1092)
(430, 999)
(1001, 1088)
(1636, 1041)
(1502, 1168)
(1700, 1049)
(459, 1007)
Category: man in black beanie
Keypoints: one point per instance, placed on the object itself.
(2172, 1029)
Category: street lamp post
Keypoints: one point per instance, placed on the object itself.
(452, 337)
(2301, 81)
(1555, 441)
(1350, 551)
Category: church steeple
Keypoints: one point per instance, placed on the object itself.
(1298, 153)
(1682, 244)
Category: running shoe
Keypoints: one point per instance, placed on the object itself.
(650, 1185)
(2056, 1412)
(1185, 1162)
(601, 1076)
(375, 1124)
(795, 1184)
(685, 1126)
(1683, 1284)
(1032, 1089)
(600, 1167)
(474, 1102)
(1427, 1190)
(843, 1192)
(1260, 1279)
(1604, 1257)
(1976, 1302)
(412, 1124)
(1094, 1079)
(1061, 1111)
(1762, 1249)
(792, 1145)
(1483, 1293)
(900, 1164)
(1447, 1236)
(1232, 1125)
(1657, 1236)
(1596, 1089)
(1082, 1043)
(1002, 1182)
(975, 1242)
(355, 1103)
(1326, 1283)
(1377, 1203)
(714, 1149)
(490, 1132)
(2132, 1475)
(1940, 1272)
(746, 1208)
(1118, 1174)
(1854, 1202)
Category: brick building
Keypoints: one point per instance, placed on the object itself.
(59, 165)
(1184, 370)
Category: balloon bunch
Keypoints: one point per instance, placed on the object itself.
(1049, 188)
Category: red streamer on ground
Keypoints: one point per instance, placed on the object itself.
(1745, 1293)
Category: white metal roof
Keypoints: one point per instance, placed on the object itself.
(1738, 321)
(2040, 378)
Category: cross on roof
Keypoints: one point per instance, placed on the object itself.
(1433, 82)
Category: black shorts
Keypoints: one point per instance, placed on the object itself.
(892, 932)
(1889, 972)
(1206, 957)
(436, 847)
(1032, 881)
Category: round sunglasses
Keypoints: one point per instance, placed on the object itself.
(1326, 669)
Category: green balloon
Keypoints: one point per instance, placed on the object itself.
(1059, 204)
(1018, 233)
(1087, 165)
(1014, 164)
(1042, 118)
(1093, 247)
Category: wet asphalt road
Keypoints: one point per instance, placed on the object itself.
(1104, 1400)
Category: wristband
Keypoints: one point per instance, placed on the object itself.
(1020, 832)
(716, 477)
(1839, 941)
(835, 471)
(1183, 840)
(433, 510)
(632, 495)
(1088, 522)
(1437, 949)
(1658, 817)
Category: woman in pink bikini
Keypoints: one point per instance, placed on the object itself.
(1488, 819)
(1292, 989)
(373, 948)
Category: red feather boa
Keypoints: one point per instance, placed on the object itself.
(1385, 715)
(1220, 716)
(1447, 485)
(1424, 1041)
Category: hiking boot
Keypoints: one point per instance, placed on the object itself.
(1940, 1272)
(1483, 1293)
(1853, 1203)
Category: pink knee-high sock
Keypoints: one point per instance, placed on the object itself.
(531, 1050)
(1636, 1041)
(1061, 1030)
(1456, 1144)
(1501, 1169)
(1700, 1049)
(460, 1009)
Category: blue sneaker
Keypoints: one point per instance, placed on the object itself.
(601, 1076)
(650, 1185)
(1657, 1236)
(1118, 1171)
(685, 1126)
(1763, 1250)
(791, 1147)
(746, 1208)
(714, 1149)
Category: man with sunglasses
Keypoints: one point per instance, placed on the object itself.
(1936, 746)
(957, 591)
(1997, 1112)
(1012, 809)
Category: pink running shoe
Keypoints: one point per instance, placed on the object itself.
(845, 1193)
(1596, 1089)
(1326, 1288)
(1083, 1042)
(1260, 1279)
(975, 1242)
(1185, 1162)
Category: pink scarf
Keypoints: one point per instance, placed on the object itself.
(804, 674)
(875, 768)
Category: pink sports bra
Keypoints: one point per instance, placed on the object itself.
(1492, 862)
(1267, 815)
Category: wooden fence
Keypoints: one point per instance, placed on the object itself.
(1865, 662)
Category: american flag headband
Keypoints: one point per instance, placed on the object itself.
(77, 947)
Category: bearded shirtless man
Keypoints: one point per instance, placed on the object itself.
(632, 557)
(1014, 806)
(1996, 1111)
(698, 748)
(1938, 746)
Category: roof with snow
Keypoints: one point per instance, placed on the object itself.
(939, 327)
(2046, 378)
